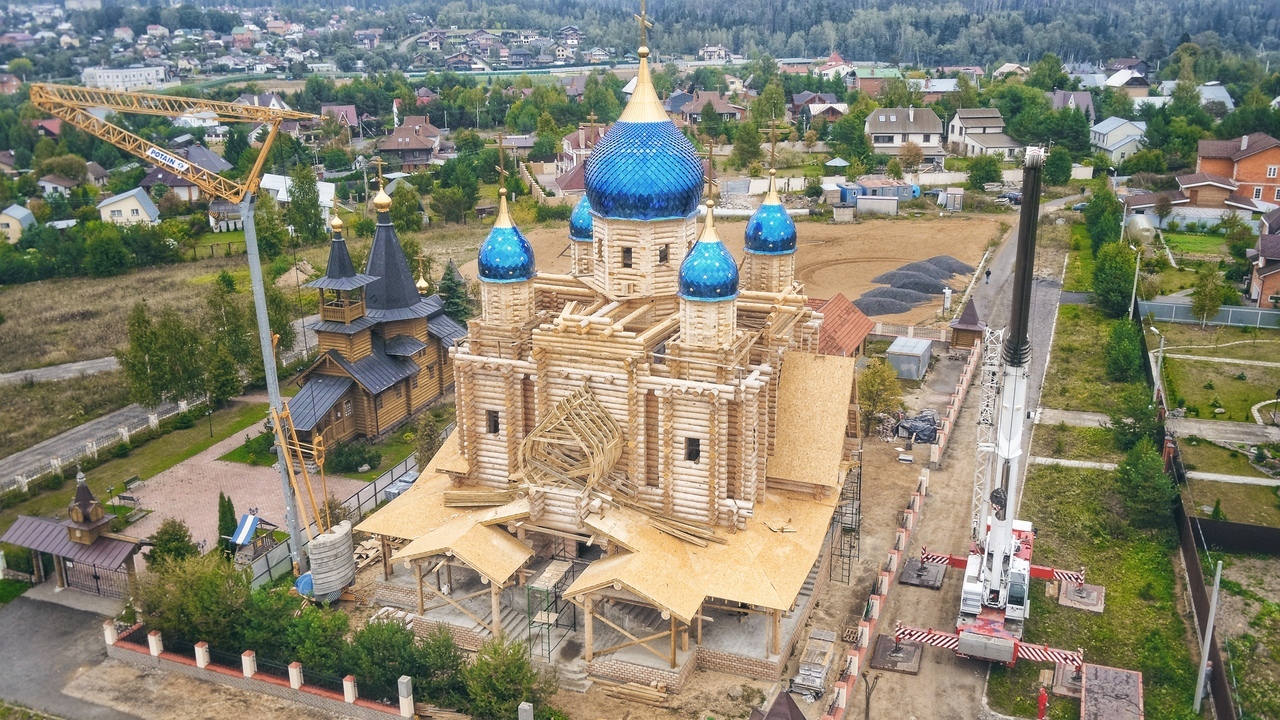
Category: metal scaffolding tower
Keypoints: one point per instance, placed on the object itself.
(547, 608)
(846, 525)
(989, 401)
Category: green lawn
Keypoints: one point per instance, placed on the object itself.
(1196, 244)
(1077, 377)
(146, 461)
(1080, 262)
(10, 589)
(1203, 386)
(1077, 514)
(1171, 280)
(1219, 341)
(1075, 443)
(1253, 504)
(1202, 455)
(256, 456)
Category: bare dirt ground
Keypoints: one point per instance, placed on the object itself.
(156, 695)
(831, 258)
(1259, 575)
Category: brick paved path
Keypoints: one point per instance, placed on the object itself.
(189, 491)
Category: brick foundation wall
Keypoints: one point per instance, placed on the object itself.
(464, 638)
(260, 683)
(628, 672)
(385, 593)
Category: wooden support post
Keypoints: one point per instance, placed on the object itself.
(777, 632)
(589, 606)
(386, 557)
(673, 642)
(684, 639)
(698, 627)
(417, 573)
(495, 593)
(448, 576)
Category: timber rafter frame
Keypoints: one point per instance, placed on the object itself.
(72, 105)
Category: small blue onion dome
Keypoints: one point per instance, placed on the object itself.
(580, 221)
(709, 273)
(771, 231)
(644, 168)
(506, 255)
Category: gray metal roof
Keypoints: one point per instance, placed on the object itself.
(21, 214)
(315, 398)
(404, 345)
(394, 288)
(51, 536)
(900, 120)
(350, 328)
(341, 272)
(144, 200)
(378, 371)
(445, 329)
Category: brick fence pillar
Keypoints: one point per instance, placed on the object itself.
(249, 663)
(109, 633)
(295, 675)
(405, 687)
(154, 643)
(349, 688)
(202, 655)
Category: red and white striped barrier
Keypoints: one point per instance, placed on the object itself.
(1022, 651)
(949, 641)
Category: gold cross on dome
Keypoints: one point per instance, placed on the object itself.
(502, 162)
(711, 183)
(773, 147)
(643, 19)
(378, 162)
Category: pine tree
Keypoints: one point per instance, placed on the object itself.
(227, 522)
(405, 203)
(453, 289)
(746, 144)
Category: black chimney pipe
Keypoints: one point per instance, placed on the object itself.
(1017, 348)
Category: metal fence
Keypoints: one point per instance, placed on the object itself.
(1235, 316)
(100, 444)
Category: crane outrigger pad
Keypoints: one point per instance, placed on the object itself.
(922, 574)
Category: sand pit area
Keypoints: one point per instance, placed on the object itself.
(834, 258)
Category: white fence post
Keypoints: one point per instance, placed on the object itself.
(405, 686)
(155, 644)
(295, 675)
(249, 663)
(109, 633)
(202, 654)
(349, 688)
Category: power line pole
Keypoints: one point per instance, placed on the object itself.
(1208, 638)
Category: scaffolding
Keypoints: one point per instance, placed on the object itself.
(984, 467)
(547, 608)
(846, 525)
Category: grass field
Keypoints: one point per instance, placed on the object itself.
(1253, 504)
(1202, 455)
(1078, 516)
(1196, 244)
(1077, 377)
(1069, 442)
(10, 589)
(145, 461)
(1171, 280)
(1080, 262)
(1204, 386)
(33, 412)
(1224, 342)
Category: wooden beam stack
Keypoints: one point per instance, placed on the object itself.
(652, 695)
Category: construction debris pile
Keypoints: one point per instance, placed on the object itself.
(910, 285)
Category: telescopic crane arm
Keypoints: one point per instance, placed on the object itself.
(72, 104)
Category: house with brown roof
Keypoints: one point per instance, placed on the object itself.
(50, 184)
(1264, 278)
(692, 110)
(1068, 100)
(9, 83)
(1270, 223)
(889, 128)
(844, 327)
(344, 114)
(414, 143)
(980, 131)
(1250, 162)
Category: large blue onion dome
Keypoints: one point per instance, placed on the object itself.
(580, 221)
(709, 273)
(644, 168)
(771, 231)
(506, 255)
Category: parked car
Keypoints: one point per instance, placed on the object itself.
(1079, 207)
(1012, 197)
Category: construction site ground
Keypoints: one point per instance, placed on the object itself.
(830, 258)
(1249, 621)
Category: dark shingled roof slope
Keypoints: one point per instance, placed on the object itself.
(969, 319)
(51, 536)
(393, 295)
(315, 398)
(341, 273)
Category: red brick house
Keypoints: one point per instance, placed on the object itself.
(1264, 281)
(1251, 162)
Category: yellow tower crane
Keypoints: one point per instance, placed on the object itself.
(73, 105)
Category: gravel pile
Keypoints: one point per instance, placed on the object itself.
(899, 294)
(910, 281)
(947, 262)
(880, 306)
(924, 267)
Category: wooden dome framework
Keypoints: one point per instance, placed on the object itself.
(578, 443)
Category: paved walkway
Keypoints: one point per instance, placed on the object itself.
(1223, 360)
(72, 440)
(1074, 418)
(189, 491)
(1223, 430)
(1086, 464)
(1237, 479)
(61, 372)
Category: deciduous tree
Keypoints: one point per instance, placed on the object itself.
(171, 542)
(304, 212)
(1057, 167)
(878, 391)
(1207, 296)
(983, 169)
(910, 155)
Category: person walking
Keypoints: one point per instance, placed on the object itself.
(988, 276)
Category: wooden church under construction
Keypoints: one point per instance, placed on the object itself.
(647, 471)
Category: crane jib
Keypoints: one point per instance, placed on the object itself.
(165, 158)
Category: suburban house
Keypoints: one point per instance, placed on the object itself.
(13, 220)
(1130, 82)
(1270, 223)
(831, 112)
(1067, 100)
(268, 100)
(1264, 279)
(889, 128)
(1009, 68)
(9, 83)
(97, 174)
(1209, 92)
(692, 110)
(1117, 138)
(344, 114)
(413, 143)
(870, 79)
(129, 208)
(1132, 64)
(932, 89)
(278, 187)
(576, 146)
(50, 184)
(980, 131)
(714, 53)
(1207, 190)
(8, 163)
(181, 187)
(804, 97)
(1251, 162)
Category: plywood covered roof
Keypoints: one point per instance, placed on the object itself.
(813, 413)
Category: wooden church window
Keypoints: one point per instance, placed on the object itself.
(491, 420)
(692, 449)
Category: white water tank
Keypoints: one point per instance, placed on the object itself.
(333, 562)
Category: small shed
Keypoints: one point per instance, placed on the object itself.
(951, 198)
(1140, 228)
(868, 205)
(843, 212)
(910, 357)
(967, 330)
